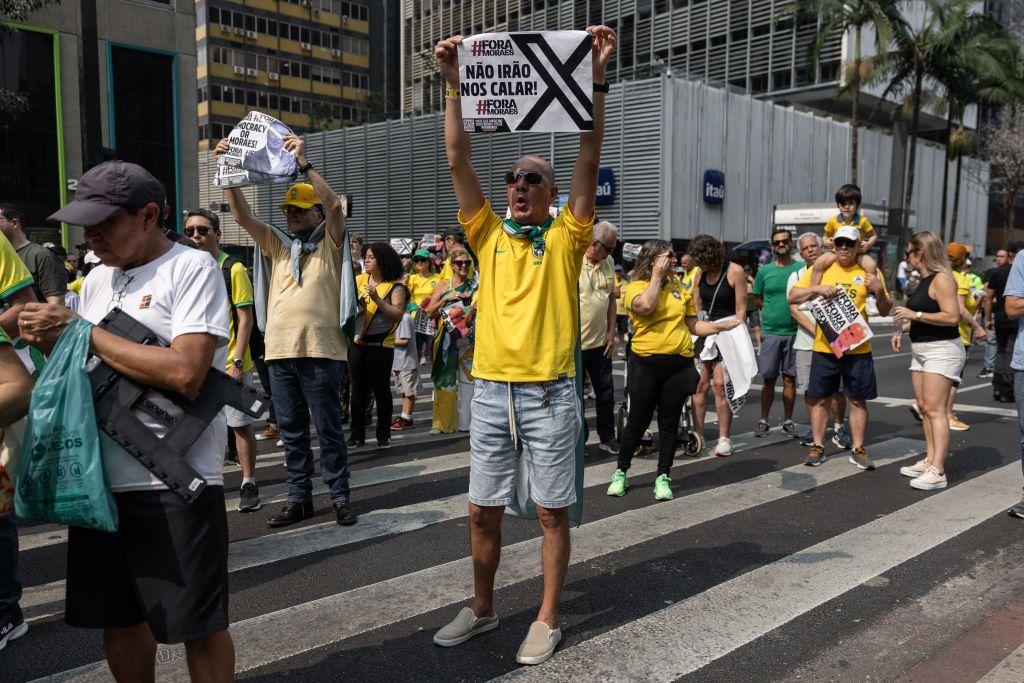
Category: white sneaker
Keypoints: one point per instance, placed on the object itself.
(724, 447)
(930, 480)
(280, 443)
(915, 470)
(464, 626)
(540, 643)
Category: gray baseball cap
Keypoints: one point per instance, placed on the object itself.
(105, 188)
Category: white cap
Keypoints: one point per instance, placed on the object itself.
(849, 232)
(91, 257)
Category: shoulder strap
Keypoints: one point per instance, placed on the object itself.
(225, 269)
(721, 278)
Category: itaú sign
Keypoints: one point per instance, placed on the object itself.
(714, 186)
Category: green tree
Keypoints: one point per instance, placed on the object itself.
(320, 117)
(840, 17)
(17, 11)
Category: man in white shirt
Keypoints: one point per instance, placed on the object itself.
(597, 327)
(162, 576)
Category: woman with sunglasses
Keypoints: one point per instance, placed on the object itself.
(422, 282)
(452, 306)
(381, 306)
(931, 315)
(661, 371)
(720, 292)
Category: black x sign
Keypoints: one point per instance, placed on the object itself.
(555, 89)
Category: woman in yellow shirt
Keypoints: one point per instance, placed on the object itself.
(662, 374)
(421, 284)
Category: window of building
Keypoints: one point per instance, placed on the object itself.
(759, 84)
(304, 105)
(214, 15)
(271, 27)
(304, 70)
(250, 98)
(738, 35)
(293, 32)
(250, 22)
(261, 97)
(304, 33)
(762, 30)
(274, 102)
(717, 41)
(781, 80)
(237, 19)
(261, 25)
(215, 92)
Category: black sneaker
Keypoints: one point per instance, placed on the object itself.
(249, 498)
(354, 443)
(986, 374)
(610, 446)
(12, 626)
(1016, 511)
(343, 513)
(291, 513)
(383, 443)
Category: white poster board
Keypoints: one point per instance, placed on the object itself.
(842, 325)
(256, 153)
(539, 82)
(402, 246)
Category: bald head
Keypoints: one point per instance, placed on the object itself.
(532, 162)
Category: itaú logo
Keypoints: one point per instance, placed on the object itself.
(714, 187)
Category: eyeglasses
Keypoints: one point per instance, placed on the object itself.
(419, 260)
(461, 264)
(908, 252)
(604, 246)
(843, 243)
(781, 243)
(121, 283)
(193, 229)
(532, 178)
(297, 210)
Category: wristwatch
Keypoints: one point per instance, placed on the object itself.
(601, 87)
(306, 167)
(238, 363)
(917, 316)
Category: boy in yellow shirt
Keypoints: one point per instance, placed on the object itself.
(848, 199)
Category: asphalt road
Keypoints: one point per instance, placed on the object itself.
(759, 569)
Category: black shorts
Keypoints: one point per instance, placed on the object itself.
(855, 371)
(166, 565)
(622, 324)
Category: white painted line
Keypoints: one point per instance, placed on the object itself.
(1010, 670)
(46, 600)
(680, 639)
(285, 633)
(985, 385)
(957, 407)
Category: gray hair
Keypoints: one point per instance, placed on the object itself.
(817, 238)
(606, 227)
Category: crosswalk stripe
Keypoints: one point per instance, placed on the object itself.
(680, 639)
(46, 600)
(1010, 670)
(284, 633)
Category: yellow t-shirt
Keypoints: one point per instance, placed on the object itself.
(421, 287)
(241, 296)
(963, 288)
(528, 308)
(852, 281)
(664, 329)
(14, 275)
(384, 290)
(862, 223)
(76, 285)
(304, 320)
(688, 278)
(597, 284)
(620, 303)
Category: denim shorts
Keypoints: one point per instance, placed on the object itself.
(236, 418)
(513, 421)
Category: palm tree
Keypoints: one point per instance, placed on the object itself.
(840, 17)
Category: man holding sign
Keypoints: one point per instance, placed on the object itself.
(525, 404)
(855, 368)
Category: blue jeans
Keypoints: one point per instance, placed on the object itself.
(991, 347)
(1018, 393)
(300, 386)
(10, 582)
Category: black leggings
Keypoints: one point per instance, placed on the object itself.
(662, 381)
(370, 369)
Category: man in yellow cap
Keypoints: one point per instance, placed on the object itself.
(306, 349)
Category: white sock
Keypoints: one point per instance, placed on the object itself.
(407, 416)
(248, 480)
(837, 426)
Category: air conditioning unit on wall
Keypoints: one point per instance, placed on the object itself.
(273, 76)
(306, 46)
(240, 70)
(336, 52)
(250, 34)
(239, 31)
(251, 72)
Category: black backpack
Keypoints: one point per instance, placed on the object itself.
(225, 269)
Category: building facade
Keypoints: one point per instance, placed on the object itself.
(313, 64)
(103, 79)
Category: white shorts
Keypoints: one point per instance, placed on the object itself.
(237, 418)
(803, 367)
(407, 382)
(945, 357)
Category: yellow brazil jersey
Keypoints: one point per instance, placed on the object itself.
(852, 280)
(14, 275)
(862, 223)
(528, 306)
(421, 287)
(663, 330)
(241, 296)
(620, 303)
(76, 285)
(688, 278)
(383, 291)
(446, 270)
(964, 289)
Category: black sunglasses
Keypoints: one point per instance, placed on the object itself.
(779, 243)
(842, 242)
(201, 229)
(908, 252)
(419, 260)
(604, 246)
(532, 178)
(460, 263)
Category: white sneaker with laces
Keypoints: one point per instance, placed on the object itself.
(915, 470)
(724, 447)
(929, 481)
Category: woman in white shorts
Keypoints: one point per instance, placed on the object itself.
(931, 315)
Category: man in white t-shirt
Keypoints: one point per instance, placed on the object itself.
(809, 245)
(162, 576)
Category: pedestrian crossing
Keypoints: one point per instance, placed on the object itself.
(322, 601)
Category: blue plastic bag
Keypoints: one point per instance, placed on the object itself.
(61, 476)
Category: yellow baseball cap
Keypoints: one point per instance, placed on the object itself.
(301, 195)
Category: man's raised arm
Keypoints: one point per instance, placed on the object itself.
(468, 192)
(584, 174)
(240, 210)
(334, 212)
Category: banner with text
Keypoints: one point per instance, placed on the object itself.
(257, 153)
(843, 326)
(538, 82)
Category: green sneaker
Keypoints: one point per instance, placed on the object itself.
(618, 485)
(661, 488)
